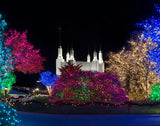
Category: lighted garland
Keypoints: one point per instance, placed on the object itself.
(8, 115)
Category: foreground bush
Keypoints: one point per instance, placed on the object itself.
(88, 87)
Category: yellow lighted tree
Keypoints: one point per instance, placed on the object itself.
(134, 70)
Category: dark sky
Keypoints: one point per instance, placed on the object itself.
(85, 25)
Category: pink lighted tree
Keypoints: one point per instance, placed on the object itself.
(27, 59)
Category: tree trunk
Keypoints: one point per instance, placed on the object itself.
(147, 83)
(127, 83)
(49, 89)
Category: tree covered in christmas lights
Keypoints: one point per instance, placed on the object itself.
(47, 79)
(155, 93)
(6, 59)
(88, 87)
(151, 30)
(69, 69)
(134, 69)
(1, 93)
(8, 115)
(8, 81)
(27, 59)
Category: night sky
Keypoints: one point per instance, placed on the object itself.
(85, 25)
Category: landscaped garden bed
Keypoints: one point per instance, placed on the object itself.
(41, 105)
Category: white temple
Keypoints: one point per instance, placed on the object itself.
(96, 64)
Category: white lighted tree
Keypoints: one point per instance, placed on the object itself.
(133, 68)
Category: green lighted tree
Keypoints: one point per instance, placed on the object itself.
(6, 59)
(155, 93)
(8, 81)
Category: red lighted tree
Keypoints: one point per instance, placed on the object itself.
(27, 59)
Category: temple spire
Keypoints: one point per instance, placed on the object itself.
(59, 31)
(100, 55)
(67, 55)
(60, 54)
(100, 47)
(72, 54)
(94, 55)
(88, 57)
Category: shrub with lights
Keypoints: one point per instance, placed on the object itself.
(8, 81)
(88, 87)
(48, 79)
(8, 115)
(155, 93)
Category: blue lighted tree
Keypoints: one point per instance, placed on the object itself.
(47, 79)
(151, 30)
(6, 59)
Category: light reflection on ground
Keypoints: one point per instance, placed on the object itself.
(31, 119)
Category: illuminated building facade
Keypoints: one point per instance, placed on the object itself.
(96, 64)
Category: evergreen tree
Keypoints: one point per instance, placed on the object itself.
(8, 115)
(6, 59)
